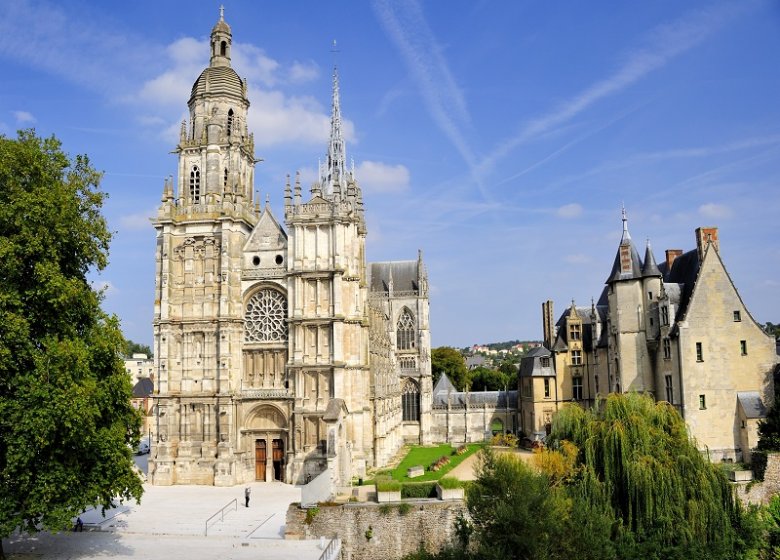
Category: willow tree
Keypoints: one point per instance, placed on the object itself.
(668, 499)
(65, 414)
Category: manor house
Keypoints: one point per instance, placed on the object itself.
(678, 331)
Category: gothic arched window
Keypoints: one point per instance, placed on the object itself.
(406, 331)
(230, 122)
(265, 319)
(195, 184)
(410, 401)
(225, 180)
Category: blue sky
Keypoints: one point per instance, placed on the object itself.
(499, 137)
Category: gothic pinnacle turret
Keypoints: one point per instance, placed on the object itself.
(333, 171)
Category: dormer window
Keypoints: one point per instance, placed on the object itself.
(575, 331)
(545, 361)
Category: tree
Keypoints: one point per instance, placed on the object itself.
(136, 348)
(484, 379)
(668, 499)
(449, 361)
(66, 421)
(519, 513)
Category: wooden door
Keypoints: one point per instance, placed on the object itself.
(260, 459)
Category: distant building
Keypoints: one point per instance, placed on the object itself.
(139, 366)
(678, 331)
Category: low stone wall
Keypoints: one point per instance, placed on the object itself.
(761, 492)
(395, 529)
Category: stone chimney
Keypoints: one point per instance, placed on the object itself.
(671, 255)
(705, 236)
(548, 324)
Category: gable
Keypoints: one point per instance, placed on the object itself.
(267, 235)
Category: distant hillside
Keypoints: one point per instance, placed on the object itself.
(509, 344)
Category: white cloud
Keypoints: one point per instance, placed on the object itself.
(378, 177)
(23, 117)
(303, 72)
(715, 211)
(138, 221)
(274, 117)
(569, 210)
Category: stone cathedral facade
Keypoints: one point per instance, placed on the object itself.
(279, 352)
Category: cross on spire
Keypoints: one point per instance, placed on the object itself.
(222, 13)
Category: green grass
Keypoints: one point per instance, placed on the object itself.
(426, 456)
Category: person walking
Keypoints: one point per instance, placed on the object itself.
(247, 491)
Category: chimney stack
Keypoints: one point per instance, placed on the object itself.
(671, 255)
(548, 324)
(705, 236)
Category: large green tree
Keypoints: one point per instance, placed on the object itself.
(65, 413)
(450, 362)
(668, 499)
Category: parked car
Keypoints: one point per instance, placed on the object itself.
(143, 447)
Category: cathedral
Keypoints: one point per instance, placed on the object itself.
(280, 353)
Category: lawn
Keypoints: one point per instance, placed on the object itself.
(426, 456)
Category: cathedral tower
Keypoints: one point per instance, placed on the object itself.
(202, 225)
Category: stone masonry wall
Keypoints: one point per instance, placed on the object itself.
(762, 492)
(428, 523)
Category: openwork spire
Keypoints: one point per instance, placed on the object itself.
(333, 171)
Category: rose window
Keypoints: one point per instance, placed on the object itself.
(266, 317)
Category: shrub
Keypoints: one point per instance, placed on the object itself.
(404, 508)
(387, 485)
(462, 449)
(418, 490)
(311, 513)
(385, 509)
(449, 483)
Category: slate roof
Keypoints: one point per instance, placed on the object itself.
(445, 393)
(636, 267)
(531, 365)
(561, 343)
(144, 388)
(649, 268)
(405, 276)
(684, 272)
(751, 404)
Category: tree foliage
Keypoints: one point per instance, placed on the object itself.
(65, 413)
(136, 348)
(769, 427)
(450, 362)
(485, 379)
(668, 499)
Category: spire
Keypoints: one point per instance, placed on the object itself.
(649, 268)
(627, 265)
(334, 170)
(626, 236)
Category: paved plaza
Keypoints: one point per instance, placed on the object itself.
(170, 523)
